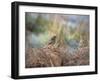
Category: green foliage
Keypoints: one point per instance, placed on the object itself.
(40, 21)
(60, 40)
(54, 27)
(76, 36)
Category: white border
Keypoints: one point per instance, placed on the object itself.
(51, 70)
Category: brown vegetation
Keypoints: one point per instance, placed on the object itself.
(50, 56)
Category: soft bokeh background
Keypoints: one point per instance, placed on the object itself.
(71, 29)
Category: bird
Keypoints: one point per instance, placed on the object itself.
(52, 40)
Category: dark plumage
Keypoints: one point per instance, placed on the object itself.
(52, 40)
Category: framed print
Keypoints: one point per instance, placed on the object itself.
(50, 40)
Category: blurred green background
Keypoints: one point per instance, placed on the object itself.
(70, 30)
